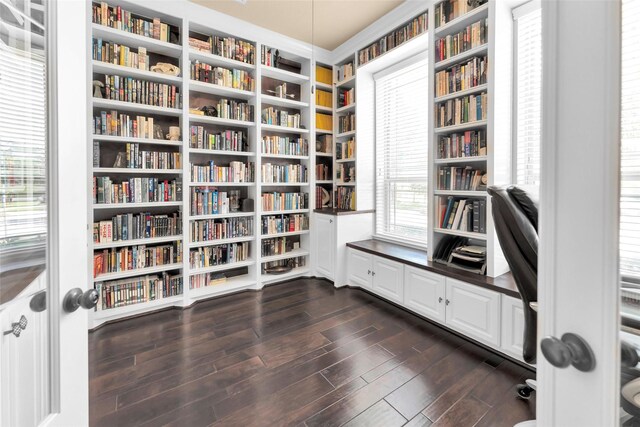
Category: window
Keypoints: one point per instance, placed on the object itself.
(528, 93)
(402, 152)
(630, 144)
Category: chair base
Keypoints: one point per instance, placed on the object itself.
(525, 390)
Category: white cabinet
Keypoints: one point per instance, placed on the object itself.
(474, 311)
(388, 278)
(424, 293)
(359, 268)
(325, 245)
(512, 326)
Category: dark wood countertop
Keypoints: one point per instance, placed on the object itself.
(333, 211)
(418, 258)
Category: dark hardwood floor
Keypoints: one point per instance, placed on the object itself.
(299, 353)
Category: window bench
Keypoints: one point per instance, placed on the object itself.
(488, 310)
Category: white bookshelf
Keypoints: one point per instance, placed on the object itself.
(340, 138)
(324, 158)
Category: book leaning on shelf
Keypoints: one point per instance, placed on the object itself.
(132, 258)
(135, 190)
(295, 262)
(471, 143)
(473, 36)
(273, 116)
(278, 246)
(112, 123)
(124, 20)
(209, 256)
(344, 71)
(346, 97)
(132, 226)
(205, 230)
(346, 123)
(323, 172)
(463, 110)
(345, 149)
(120, 293)
(117, 54)
(209, 201)
(346, 198)
(137, 91)
(462, 76)
(460, 178)
(462, 214)
(236, 79)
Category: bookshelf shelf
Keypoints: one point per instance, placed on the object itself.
(283, 129)
(136, 171)
(346, 108)
(221, 267)
(292, 254)
(223, 215)
(284, 75)
(346, 134)
(470, 91)
(131, 39)
(196, 118)
(460, 193)
(98, 206)
(221, 152)
(288, 233)
(347, 83)
(318, 154)
(137, 108)
(269, 278)
(476, 159)
(231, 284)
(218, 60)
(133, 309)
(464, 126)
(323, 86)
(345, 184)
(221, 241)
(222, 184)
(324, 181)
(127, 139)
(283, 102)
(352, 159)
(461, 22)
(213, 89)
(284, 212)
(324, 132)
(480, 50)
(284, 156)
(106, 68)
(135, 242)
(323, 109)
(137, 272)
(468, 234)
(285, 184)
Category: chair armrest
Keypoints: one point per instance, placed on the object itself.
(534, 306)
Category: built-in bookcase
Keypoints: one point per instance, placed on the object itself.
(324, 111)
(345, 134)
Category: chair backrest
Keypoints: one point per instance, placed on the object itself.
(512, 216)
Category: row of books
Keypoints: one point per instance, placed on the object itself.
(208, 256)
(236, 79)
(268, 56)
(471, 143)
(135, 190)
(295, 262)
(281, 91)
(112, 123)
(227, 47)
(273, 116)
(345, 149)
(235, 172)
(458, 111)
(471, 37)
(123, 20)
(346, 172)
(226, 140)
(460, 178)
(324, 121)
(274, 224)
(346, 97)
(129, 89)
(284, 201)
(117, 54)
(462, 214)
(285, 145)
(120, 293)
(462, 76)
(204, 230)
(323, 172)
(272, 173)
(203, 280)
(322, 194)
(279, 246)
(323, 74)
(134, 158)
(117, 260)
(411, 29)
(230, 109)
(209, 201)
(344, 71)
(448, 10)
(326, 144)
(324, 98)
(132, 226)
(347, 123)
(346, 198)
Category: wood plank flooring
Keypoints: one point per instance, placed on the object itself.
(300, 353)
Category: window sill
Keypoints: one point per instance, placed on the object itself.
(399, 242)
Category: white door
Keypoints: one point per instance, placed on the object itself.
(578, 254)
(43, 212)
(424, 292)
(325, 245)
(359, 268)
(387, 278)
(474, 311)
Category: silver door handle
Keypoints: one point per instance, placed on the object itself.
(571, 349)
(76, 298)
(17, 327)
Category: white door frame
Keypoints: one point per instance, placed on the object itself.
(578, 267)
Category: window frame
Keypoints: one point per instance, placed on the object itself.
(422, 57)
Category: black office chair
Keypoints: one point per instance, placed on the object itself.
(515, 215)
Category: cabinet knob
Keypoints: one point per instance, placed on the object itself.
(330, 221)
(368, 271)
(373, 273)
(446, 302)
(440, 299)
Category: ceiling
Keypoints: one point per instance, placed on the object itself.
(334, 21)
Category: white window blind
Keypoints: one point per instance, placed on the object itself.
(402, 152)
(23, 124)
(630, 144)
(528, 39)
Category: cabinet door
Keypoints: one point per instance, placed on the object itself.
(325, 245)
(387, 278)
(474, 311)
(424, 293)
(512, 326)
(359, 268)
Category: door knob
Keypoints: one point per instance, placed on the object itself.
(38, 302)
(76, 298)
(571, 349)
(17, 327)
